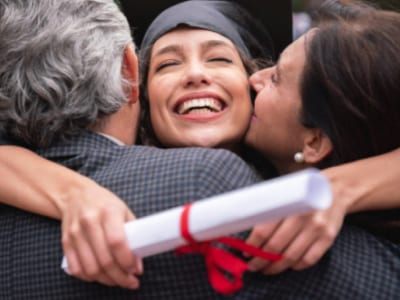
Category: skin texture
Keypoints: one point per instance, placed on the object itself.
(188, 64)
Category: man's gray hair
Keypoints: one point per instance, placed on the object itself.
(60, 67)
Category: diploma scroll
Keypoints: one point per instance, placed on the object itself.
(231, 212)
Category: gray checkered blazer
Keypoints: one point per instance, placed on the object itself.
(359, 266)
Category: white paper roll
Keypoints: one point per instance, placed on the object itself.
(239, 210)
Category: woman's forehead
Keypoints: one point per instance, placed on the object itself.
(292, 60)
(191, 37)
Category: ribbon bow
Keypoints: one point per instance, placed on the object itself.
(220, 262)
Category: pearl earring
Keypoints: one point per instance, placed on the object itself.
(299, 157)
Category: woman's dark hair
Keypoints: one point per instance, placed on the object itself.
(331, 10)
(350, 85)
(254, 36)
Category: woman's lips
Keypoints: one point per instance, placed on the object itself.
(201, 115)
(200, 106)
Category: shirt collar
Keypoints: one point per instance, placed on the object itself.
(112, 139)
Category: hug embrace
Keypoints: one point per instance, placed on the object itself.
(70, 90)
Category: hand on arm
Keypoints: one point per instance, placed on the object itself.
(94, 239)
(302, 240)
(368, 184)
(92, 217)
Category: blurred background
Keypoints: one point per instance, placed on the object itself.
(302, 21)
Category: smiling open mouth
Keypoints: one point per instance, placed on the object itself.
(200, 106)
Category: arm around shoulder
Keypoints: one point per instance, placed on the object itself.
(368, 184)
(35, 184)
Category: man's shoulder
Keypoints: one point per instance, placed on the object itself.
(197, 154)
(172, 177)
(199, 164)
(91, 149)
(91, 153)
(150, 179)
(215, 171)
(94, 146)
(197, 158)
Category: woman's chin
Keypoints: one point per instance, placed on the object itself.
(206, 142)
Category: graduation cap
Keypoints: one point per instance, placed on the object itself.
(275, 16)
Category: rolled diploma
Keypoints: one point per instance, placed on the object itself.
(272, 200)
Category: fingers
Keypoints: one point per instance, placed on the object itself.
(276, 242)
(258, 237)
(139, 264)
(110, 248)
(74, 267)
(129, 216)
(118, 244)
(97, 249)
(261, 233)
(76, 270)
(302, 241)
(81, 261)
(315, 252)
(324, 230)
(295, 250)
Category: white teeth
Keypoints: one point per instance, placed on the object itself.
(206, 103)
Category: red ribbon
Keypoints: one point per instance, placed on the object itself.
(220, 262)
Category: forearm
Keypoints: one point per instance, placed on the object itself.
(368, 184)
(34, 184)
(93, 218)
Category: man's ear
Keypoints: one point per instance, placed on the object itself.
(316, 146)
(130, 71)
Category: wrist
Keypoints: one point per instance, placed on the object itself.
(71, 189)
(347, 191)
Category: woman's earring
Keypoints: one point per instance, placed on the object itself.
(299, 157)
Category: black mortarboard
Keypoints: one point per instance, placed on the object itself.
(276, 17)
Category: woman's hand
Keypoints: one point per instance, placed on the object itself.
(302, 240)
(93, 236)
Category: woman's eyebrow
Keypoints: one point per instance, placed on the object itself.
(215, 43)
(176, 48)
(169, 49)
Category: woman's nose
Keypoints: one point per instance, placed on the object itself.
(257, 80)
(196, 75)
